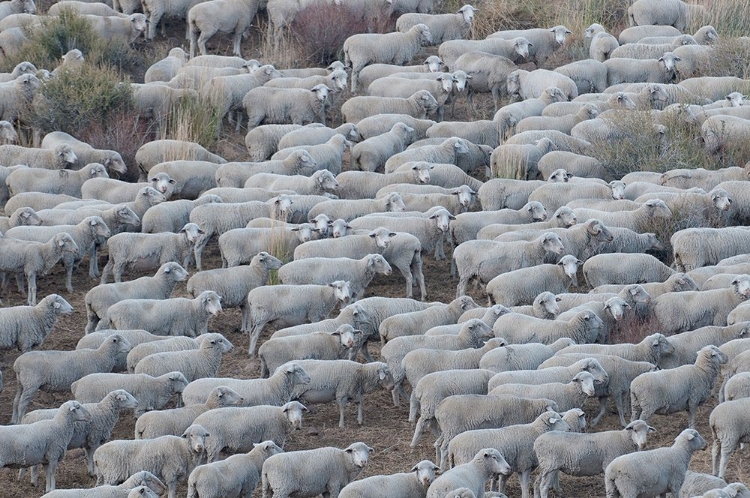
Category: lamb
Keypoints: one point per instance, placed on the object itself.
(281, 105)
(25, 327)
(529, 85)
(53, 182)
(480, 258)
(194, 364)
(236, 174)
(217, 218)
(292, 304)
(234, 477)
(43, 442)
(33, 258)
(404, 484)
(556, 451)
(86, 235)
(522, 286)
(317, 346)
(514, 441)
(543, 41)
(311, 472)
(160, 286)
(655, 471)
(170, 457)
(677, 312)
(60, 157)
(395, 48)
(89, 435)
(677, 389)
(152, 393)
(53, 371)
(471, 476)
(620, 268)
(417, 106)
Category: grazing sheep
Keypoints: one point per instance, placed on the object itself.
(515, 442)
(170, 457)
(522, 286)
(515, 49)
(556, 451)
(471, 476)
(282, 105)
(43, 442)
(417, 105)
(569, 395)
(193, 364)
(160, 286)
(235, 477)
(392, 48)
(410, 484)
(308, 473)
(54, 371)
(620, 268)
(543, 42)
(653, 472)
(522, 356)
(89, 435)
(677, 389)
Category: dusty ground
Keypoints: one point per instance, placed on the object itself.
(385, 427)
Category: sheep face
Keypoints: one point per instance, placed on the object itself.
(593, 29)
(359, 454)
(138, 24)
(721, 200)
(713, 355)
(163, 183)
(8, 134)
(211, 303)
(521, 46)
(476, 328)
(618, 189)
(98, 171)
(616, 307)
(657, 209)
(667, 61)
(693, 439)
(460, 79)
(378, 264)
(146, 478)
(425, 37)
(293, 412)
(126, 216)
(282, 206)
(537, 211)
(422, 171)
(425, 472)
(192, 232)
(65, 243)
(120, 344)
(446, 82)
(569, 265)
(662, 343)
(57, 303)
(76, 411)
(339, 228)
(425, 100)
(466, 196)
(382, 237)
(561, 34)
(577, 419)
(142, 492)
(639, 431)
(326, 180)
(27, 217)
(298, 374)
(174, 271)
(734, 99)
(565, 217)
(338, 79)
(385, 377)
(493, 461)
(433, 64)
(342, 290)
(125, 400)
(269, 448)
(225, 396)
(638, 294)
(559, 176)
(28, 7)
(394, 202)
(345, 334)
(442, 219)
(196, 436)
(741, 285)
(552, 243)
(585, 383)
(654, 243)
(548, 301)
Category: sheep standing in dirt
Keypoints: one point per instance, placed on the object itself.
(225, 16)
(488, 463)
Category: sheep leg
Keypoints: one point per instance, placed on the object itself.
(153, 20)
(726, 451)
(51, 467)
(416, 268)
(418, 430)
(542, 484)
(255, 331)
(93, 263)
(413, 406)
(437, 444)
(245, 316)
(715, 451)
(172, 489)
(31, 277)
(692, 407)
(68, 263)
(202, 39)
(107, 270)
(198, 250)
(602, 410)
(406, 272)
(525, 479)
(24, 399)
(16, 400)
(34, 477)
(360, 402)
(90, 460)
(117, 269)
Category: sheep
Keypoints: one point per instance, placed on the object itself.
(311, 472)
(367, 184)
(17, 96)
(560, 139)
(217, 218)
(671, 13)
(16, 7)
(555, 452)
(543, 306)
(89, 435)
(451, 150)
(628, 241)
(677, 282)
(158, 423)
(605, 269)
(719, 132)
(487, 259)
(53, 182)
(641, 50)
(280, 105)
(521, 356)
(466, 225)
(85, 153)
(555, 195)
(194, 364)
(528, 85)
(328, 155)
(116, 191)
(405, 484)
(677, 389)
(572, 394)
(34, 258)
(158, 151)
(371, 72)
(728, 428)
(117, 218)
(696, 483)
(166, 68)
(60, 157)
(160, 286)
(348, 209)
(140, 485)
(43, 442)
(514, 441)
(602, 45)
(441, 90)
(416, 323)
(543, 42)
(236, 19)
(112, 28)
(697, 247)
(317, 346)
(514, 49)
(655, 471)
(714, 87)
(176, 343)
(736, 386)
(649, 349)
(471, 476)
(560, 123)
(316, 134)
(24, 216)
(622, 70)
(236, 174)
(262, 142)
(393, 48)
(677, 312)
(86, 235)
(25, 327)
(292, 304)
(173, 215)
(522, 286)
(170, 457)
(442, 27)
(417, 105)
(547, 375)
(635, 33)
(430, 230)
(52, 371)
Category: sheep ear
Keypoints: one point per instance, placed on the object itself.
(651, 429)
(690, 436)
(553, 420)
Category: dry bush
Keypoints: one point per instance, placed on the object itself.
(193, 120)
(727, 16)
(731, 58)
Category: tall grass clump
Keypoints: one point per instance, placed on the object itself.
(193, 119)
(729, 17)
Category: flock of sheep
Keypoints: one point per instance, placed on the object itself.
(502, 387)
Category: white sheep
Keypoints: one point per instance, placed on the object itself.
(282, 105)
(442, 27)
(682, 388)
(236, 174)
(488, 463)
(653, 472)
(43, 442)
(53, 371)
(670, 13)
(236, 16)
(515, 49)
(136, 486)
(112, 28)
(16, 96)
(170, 457)
(543, 41)
(60, 157)
(193, 364)
(567, 395)
(522, 286)
(620, 268)
(53, 182)
(86, 153)
(25, 327)
(402, 485)
(166, 68)
(158, 151)
(622, 70)
(634, 33)
(235, 477)
(308, 473)
(556, 451)
(529, 85)
(416, 105)
(394, 48)
(371, 72)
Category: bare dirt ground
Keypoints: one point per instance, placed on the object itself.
(385, 427)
